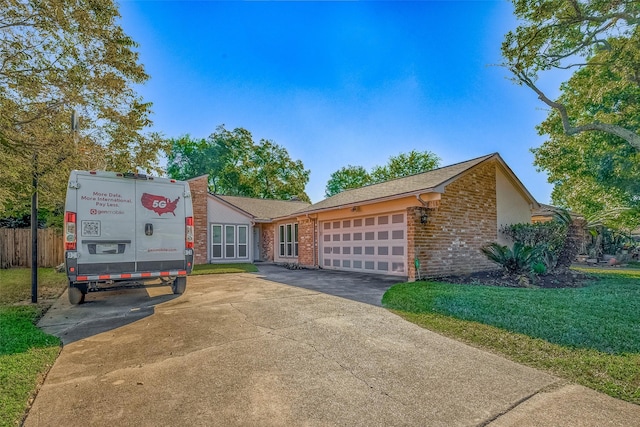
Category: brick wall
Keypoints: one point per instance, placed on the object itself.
(307, 245)
(199, 196)
(466, 220)
(267, 242)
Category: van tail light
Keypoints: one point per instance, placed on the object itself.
(70, 231)
(189, 232)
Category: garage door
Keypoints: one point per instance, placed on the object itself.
(374, 244)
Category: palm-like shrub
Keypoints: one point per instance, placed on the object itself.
(516, 260)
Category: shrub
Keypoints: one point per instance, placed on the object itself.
(539, 268)
(555, 242)
(517, 260)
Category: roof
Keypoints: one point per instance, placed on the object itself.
(436, 180)
(433, 180)
(545, 210)
(264, 209)
(549, 211)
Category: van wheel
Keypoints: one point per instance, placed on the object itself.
(76, 294)
(179, 285)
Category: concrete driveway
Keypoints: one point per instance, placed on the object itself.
(361, 287)
(242, 350)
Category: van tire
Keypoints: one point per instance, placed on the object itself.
(76, 295)
(179, 285)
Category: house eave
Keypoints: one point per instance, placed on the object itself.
(414, 193)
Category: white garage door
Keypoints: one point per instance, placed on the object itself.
(374, 244)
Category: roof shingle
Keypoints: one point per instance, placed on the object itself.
(264, 209)
(397, 187)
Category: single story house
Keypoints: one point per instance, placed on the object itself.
(429, 224)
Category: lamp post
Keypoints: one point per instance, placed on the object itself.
(34, 231)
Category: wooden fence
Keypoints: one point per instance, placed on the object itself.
(15, 247)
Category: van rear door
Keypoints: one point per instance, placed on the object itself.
(160, 226)
(107, 227)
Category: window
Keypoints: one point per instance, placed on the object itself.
(281, 239)
(216, 241)
(229, 241)
(242, 241)
(288, 240)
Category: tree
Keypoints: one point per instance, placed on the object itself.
(236, 165)
(593, 148)
(57, 57)
(272, 174)
(600, 39)
(404, 164)
(595, 174)
(345, 178)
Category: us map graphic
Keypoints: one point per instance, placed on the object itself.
(159, 204)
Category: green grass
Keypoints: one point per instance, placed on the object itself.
(15, 284)
(26, 354)
(589, 335)
(223, 268)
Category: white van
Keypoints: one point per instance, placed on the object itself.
(122, 229)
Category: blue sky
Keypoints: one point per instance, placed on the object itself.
(339, 83)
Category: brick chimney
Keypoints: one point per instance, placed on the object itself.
(199, 195)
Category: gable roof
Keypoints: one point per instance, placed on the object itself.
(266, 210)
(433, 180)
(549, 211)
(263, 209)
(545, 210)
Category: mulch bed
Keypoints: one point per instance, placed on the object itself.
(567, 279)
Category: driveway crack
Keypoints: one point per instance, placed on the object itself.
(550, 387)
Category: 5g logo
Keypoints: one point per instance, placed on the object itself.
(159, 204)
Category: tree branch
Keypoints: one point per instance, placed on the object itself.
(619, 131)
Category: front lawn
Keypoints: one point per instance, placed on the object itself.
(590, 335)
(26, 353)
(15, 285)
(201, 269)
